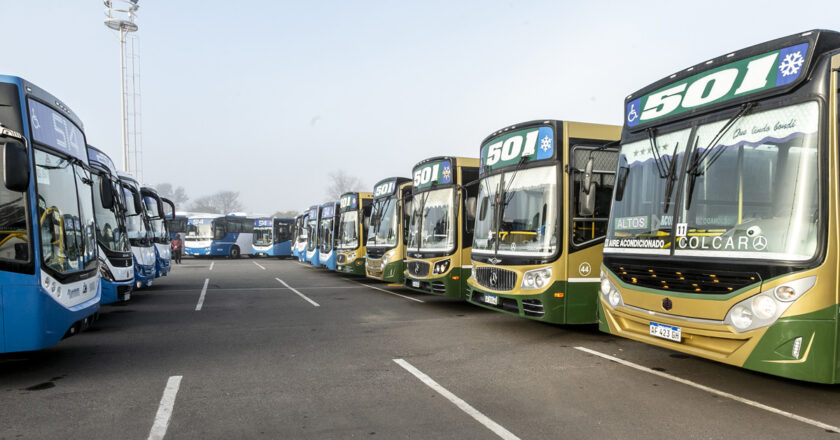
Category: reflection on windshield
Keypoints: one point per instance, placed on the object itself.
(432, 226)
(383, 223)
(311, 231)
(527, 223)
(65, 213)
(348, 232)
(135, 221)
(110, 227)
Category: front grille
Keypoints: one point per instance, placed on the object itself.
(122, 290)
(439, 287)
(373, 252)
(374, 264)
(418, 268)
(532, 307)
(341, 258)
(684, 279)
(495, 278)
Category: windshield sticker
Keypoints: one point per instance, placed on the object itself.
(637, 243)
(631, 223)
(518, 147)
(733, 80)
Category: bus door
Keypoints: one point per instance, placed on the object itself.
(591, 178)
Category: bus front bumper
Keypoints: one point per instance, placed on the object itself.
(559, 303)
(450, 284)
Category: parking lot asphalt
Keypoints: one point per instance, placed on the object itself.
(279, 349)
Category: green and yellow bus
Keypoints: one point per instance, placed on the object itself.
(386, 238)
(723, 239)
(354, 211)
(543, 206)
(440, 226)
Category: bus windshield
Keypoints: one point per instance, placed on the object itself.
(384, 223)
(200, 229)
(262, 235)
(156, 220)
(110, 226)
(325, 234)
(135, 221)
(432, 226)
(348, 232)
(311, 229)
(303, 232)
(755, 193)
(65, 208)
(527, 223)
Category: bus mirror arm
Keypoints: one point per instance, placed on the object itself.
(15, 160)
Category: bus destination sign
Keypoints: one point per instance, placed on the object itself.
(519, 146)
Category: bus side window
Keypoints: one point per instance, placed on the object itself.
(591, 229)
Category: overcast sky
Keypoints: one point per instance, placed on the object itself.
(267, 98)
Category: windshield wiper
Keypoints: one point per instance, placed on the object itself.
(672, 177)
(661, 166)
(707, 155)
(422, 217)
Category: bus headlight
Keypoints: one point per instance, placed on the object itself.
(536, 279)
(105, 272)
(387, 256)
(441, 266)
(610, 292)
(765, 308)
(351, 256)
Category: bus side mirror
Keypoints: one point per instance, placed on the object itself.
(106, 193)
(15, 167)
(621, 182)
(586, 200)
(138, 203)
(482, 213)
(587, 174)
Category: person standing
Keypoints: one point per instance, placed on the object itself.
(177, 248)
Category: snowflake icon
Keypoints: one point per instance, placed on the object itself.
(447, 173)
(545, 143)
(791, 64)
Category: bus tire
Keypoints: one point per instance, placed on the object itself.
(234, 252)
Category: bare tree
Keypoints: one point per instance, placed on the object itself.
(292, 214)
(177, 195)
(222, 202)
(340, 183)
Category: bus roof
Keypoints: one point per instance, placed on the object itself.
(97, 157)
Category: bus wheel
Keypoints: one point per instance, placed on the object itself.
(234, 252)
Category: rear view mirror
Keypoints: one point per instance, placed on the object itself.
(621, 182)
(15, 167)
(587, 174)
(586, 200)
(106, 193)
(138, 202)
(482, 213)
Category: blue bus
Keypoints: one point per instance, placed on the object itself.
(116, 267)
(298, 238)
(219, 236)
(160, 235)
(327, 234)
(49, 268)
(313, 218)
(273, 237)
(139, 232)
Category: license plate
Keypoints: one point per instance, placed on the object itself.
(415, 284)
(668, 332)
(491, 299)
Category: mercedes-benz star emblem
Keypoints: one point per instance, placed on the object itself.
(667, 304)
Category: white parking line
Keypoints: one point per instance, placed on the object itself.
(464, 406)
(749, 402)
(211, 264)
(384, 290)
(203, 292)
(299, 294)
(258, 265)
(164, 412)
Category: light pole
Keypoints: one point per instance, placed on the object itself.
(123, 26)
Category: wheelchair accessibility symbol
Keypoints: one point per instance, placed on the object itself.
(632, 115)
